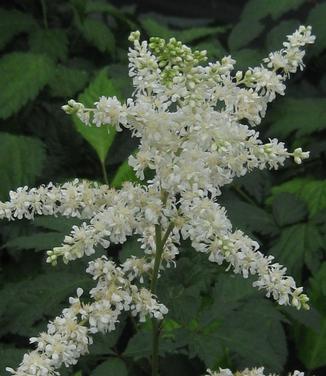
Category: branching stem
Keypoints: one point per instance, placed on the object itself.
(160, 241)
(105, 175)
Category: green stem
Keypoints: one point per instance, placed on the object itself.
(156, 326)
(243, 194)
(44, 13)
(105, 175)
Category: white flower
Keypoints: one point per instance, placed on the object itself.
(194, 128)
(299, 155)
(109, 111)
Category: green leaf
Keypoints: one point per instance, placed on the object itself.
(276, 36)
(257, 183)
(297, 244)
(39, 242)
(104, 342)
(100, 138)
(154, 28)
(316, 19)
(312, 343)
(99, 35)
(259, 9)
(13, 23)
(130, 248)
(247, 57)
(313, 192)
(66, 82)
(239, 321)
(111, 367)
(43, 241)
(21, 161)
(104, 7)
(140, 345)
(288, 209)
(250, 217)
(10, 357)
(183, 302)
(243, 33)
(25, 303)
(190, 35)
(213, 47)
(59, 224)
(22, 76)
(51, 42)
(124, 173)
(299, 116)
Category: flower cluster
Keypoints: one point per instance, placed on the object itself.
(194, 123)
(246, 372)
(69, 335)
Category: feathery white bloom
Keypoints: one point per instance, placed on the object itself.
(194, 127)
(246, 372)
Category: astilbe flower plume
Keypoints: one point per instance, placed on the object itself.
(195, 128)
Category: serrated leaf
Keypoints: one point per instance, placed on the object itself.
(25, 303)
(43, 241)
(22, 76)
(288, 209)
(104, 7)
(316, 19)
(313, 192)
(10, 357)
(243, 33)
(124, 173)
(239, 321)
(140, 345)
(257, 183)
(98, 34)
(59, 224)
(66, 82)
(190, 35)
(100, 138)
(275, 37)
(38, 242)
(247, 57)
(183, 302)
(104, 342)
(298, 116)
(293, 246)
(111, 367)
(156, 29)
(51, 42)
(312, 343)
(250, 217)
(12, 23)
(213, 47)
(21, 161)
(130, 248)
(259, 9)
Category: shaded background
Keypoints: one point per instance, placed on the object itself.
(52, 51)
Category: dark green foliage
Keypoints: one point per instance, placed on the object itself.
(99, 138)
(23, 73)
(111, 367)
(78, 49)
(21, 161)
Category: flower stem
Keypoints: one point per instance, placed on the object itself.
(44, 13)
(105, 175)
(156, 326)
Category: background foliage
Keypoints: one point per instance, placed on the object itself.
(55, 50)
